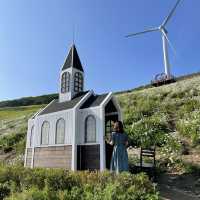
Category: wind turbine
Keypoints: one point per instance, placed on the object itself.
(165, 40)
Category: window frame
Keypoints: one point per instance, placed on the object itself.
(78, 82)
(41, 135)
(65, 82)
(86, 129)
(31, 136)
(57, 131)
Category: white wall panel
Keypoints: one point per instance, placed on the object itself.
(82, 115)
(52, 119)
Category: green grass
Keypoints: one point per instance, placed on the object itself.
(57, 184)
(10, 113)
(13, 127)
(160, 116)
(164, 116)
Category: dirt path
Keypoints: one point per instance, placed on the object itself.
(178, 187)
(173, 194)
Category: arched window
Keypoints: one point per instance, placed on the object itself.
(78, 82)
(31, 136)
(60, 131)
(90, 129)
(65, 82)
(45, 133)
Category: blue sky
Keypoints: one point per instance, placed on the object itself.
(35, 36)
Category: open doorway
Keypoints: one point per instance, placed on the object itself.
(111, 116)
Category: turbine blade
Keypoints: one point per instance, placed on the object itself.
(170, 14)
(139, 33)
(170, 44)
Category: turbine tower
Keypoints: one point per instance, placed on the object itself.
(165, 39)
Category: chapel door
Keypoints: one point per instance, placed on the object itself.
(109, 122)
(88, 157)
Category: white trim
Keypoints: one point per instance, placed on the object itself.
(36, 114)
(109, 96)
(56, 124)
(41, 131)
(101, 139)
(53, 145)
(86, 126)
(102, 146)
(32, 160)
(102, 116)
(74, 148)
(25, 157)
(57, 112)
(72, 64)
(43, 109)
(79, 104)
(65, 60)
(74, 128)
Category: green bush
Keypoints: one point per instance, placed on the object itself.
(147, 132)
(14, 141)
(189, 127)
(25, 184)
(32, 194)
(188, 106)
(4, 191)
(60, 180)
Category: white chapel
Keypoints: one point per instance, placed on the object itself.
(69, 132)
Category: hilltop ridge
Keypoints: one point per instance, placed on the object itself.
(45, 99)
(167, 116)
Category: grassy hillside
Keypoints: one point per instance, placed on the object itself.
(13, 127)
(173, 108)
(151, 115)
(166, 116)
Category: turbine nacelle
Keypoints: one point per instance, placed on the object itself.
(163, 29)
(165, 39)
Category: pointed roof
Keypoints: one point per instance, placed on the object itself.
(73, 60)
(57, 106)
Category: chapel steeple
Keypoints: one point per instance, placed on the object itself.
(71, 76)
(73, 60)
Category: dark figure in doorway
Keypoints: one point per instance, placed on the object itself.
(119, 139)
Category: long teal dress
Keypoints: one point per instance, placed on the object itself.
(119, 161)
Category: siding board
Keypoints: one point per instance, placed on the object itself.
(29, 157)
(53, 157)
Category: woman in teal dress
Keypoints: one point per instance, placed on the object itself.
(119, 139)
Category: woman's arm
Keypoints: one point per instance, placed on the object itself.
(112, 139)
(108, 141)
(126, 140)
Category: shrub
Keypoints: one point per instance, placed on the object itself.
(9, 142)
(4, 191)
(189, 106)
(189, 127)
(25, 184)
(147, 132)
(61, 179)
(33, 194)
(34, 178)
